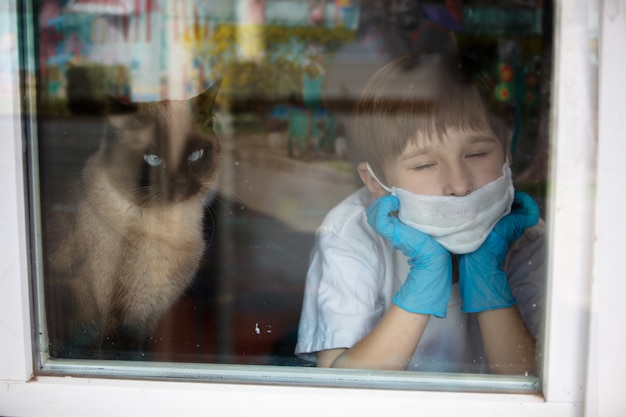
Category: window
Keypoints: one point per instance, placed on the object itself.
(565, 350)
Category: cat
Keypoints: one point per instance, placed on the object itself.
(133, 238)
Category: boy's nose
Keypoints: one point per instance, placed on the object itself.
(458, 182)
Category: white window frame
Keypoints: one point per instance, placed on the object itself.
(581, 376)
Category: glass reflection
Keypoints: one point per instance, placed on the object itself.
(278, 158)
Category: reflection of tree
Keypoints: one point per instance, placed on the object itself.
(276, 74)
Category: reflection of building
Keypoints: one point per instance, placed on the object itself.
(147, 39)
(142, 36)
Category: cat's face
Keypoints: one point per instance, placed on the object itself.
(163, 152)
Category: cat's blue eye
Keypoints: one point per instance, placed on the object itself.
(194, 156)
(152, 159)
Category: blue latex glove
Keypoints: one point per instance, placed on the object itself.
(427, 287)
(482, 282)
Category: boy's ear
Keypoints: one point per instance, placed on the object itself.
(372, 185)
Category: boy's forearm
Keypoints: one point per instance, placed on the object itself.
(389, 346)
(509, 346)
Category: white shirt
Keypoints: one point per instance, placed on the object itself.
(354, 272)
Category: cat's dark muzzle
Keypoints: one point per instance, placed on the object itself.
(181, 189)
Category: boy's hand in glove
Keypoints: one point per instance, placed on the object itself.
(482, 282)
(427, 287)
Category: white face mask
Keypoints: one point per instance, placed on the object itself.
(459, 224)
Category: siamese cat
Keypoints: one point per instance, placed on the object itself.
(133, 238)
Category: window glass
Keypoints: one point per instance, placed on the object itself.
(186, 153)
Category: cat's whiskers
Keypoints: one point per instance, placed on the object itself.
(149, 195)
(227, 205)
(231, 191)
(211, 218)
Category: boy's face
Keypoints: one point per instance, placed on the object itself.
(457, 163)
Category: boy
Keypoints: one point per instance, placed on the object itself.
(446, 240)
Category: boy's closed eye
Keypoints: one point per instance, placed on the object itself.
(478, 154)
(423, 166)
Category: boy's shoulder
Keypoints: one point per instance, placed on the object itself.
(528, 251)
(532, 236)
(349, 214)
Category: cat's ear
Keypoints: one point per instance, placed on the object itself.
(204, 103)
(121, 115)
(113, 106)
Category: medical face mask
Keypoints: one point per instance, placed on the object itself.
(459, 224)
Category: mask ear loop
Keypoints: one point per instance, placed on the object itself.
(371, 171)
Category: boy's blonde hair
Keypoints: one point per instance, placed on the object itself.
(419, 95)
